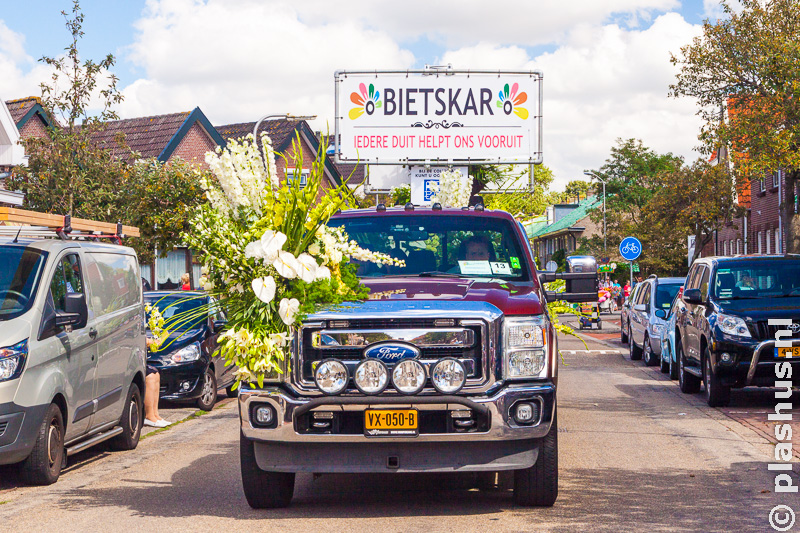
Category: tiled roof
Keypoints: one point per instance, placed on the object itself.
(568, 220)
(533, 225)
(280, 131)
(351, 173)
(148, 136)
(19, 108)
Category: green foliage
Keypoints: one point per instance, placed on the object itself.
(506, 179)
(401, 195)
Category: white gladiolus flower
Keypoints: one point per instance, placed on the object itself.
(272, 242)
(286, 264)
(323, 272)
(264, 288)
(288, 309)
(308, 267)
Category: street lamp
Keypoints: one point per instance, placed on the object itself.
(283, 116)
(601, 180)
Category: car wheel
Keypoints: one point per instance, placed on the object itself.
(664, 364)
(208, 396)
(623, 337)
(130, 421)
(673, 366)
(636, 352)
(43, 465)
(538, 485)
(689, 383)
(263, 490)
(649, 355)
(231, 392)
(717, 394)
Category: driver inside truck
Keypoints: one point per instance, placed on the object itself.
(476, 248)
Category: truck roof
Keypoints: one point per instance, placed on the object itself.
(417, 210)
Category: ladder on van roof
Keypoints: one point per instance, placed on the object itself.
(24, 223)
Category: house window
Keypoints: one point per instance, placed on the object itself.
(738, 246)
(777, 242)
(725, 248)
(776, 178)
(769, 242)
(294, 173)
(761, 185)
(760, 236)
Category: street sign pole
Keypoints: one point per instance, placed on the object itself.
(630, 264)
(630, 249)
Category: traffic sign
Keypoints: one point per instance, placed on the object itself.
(630, 248)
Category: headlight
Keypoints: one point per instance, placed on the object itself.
(408, 376)
(524, 346)
(12, 360)
(733, 325)
(371, 376)
(656, 329)
(186, 354)
(331, 376)
(448, 376)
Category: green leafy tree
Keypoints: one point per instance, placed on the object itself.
(577, 189)
(508, 180)
(746, 68)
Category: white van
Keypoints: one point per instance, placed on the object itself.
(72, 351)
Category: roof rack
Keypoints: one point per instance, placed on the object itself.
(34, 224)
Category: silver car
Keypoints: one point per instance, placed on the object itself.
(646, 318)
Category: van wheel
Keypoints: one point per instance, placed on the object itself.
(636, 352)
(538, 485)
(673, 366)
(43, 465)
(208, 396)
(130, 422)
(664, 364)
(717, 394)
(263, 490)
(689, 383)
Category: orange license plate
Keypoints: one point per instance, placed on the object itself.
(391, 423)
(793, 351)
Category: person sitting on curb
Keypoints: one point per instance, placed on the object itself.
(152, 386)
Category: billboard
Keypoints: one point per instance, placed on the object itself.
(438, 117)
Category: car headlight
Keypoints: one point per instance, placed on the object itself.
(186, 354)
(12, 360)
(371, 376)
(448, 376)
(408, 376)
(733, 325)
(331, 376)
(656, 329)
(524, 344)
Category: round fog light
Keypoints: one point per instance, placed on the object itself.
(264, 415)
(726, 357)
(331, 376)
(524, 413)
(448, 376)
(371, 376)
(408, 376)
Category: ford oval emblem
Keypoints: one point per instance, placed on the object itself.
(391, 352)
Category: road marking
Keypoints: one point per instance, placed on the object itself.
(600, 352)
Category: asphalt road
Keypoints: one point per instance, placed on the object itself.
(635, 455)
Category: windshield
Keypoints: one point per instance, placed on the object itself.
(178, 310)
(19, 276)
(468, 246)
(757, 279)
(665, 294)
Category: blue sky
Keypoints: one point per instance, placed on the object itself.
(606, 63)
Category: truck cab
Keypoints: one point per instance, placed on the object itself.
(451, 365)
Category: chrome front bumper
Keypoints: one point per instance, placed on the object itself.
(501, 426)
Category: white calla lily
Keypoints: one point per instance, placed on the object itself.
(254, 250)
(286, 264)
(288, 309)
(264, 288)
(308, 268)
(272, 242)
(323, 272)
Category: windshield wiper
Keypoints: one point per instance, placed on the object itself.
(438, 274)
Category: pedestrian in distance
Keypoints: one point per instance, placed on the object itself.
(185, 285)
(627, 289)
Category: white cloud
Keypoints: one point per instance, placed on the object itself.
(603, 83)
(20, 76)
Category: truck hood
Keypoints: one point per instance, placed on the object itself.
(508, 297)
(759, 309)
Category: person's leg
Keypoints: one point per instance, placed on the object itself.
(152, 384)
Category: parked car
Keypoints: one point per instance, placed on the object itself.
(624, 313)
(724, 338)
(72, 350)
(646, 322)
(669, 363)
(188, 360)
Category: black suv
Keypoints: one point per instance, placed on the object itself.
(722, 335)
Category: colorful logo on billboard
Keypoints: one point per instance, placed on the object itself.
(367, 101)
(510, 101)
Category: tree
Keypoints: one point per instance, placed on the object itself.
(67, 173)
(576, 189)
(522, 204)
(744, 71)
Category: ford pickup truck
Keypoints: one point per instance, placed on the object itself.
(451, 365)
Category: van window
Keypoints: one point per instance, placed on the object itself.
(66, 279)
(114, 281)
(19, 276)
(645, 299)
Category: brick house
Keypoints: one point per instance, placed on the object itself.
(563, 228)
(282, 133)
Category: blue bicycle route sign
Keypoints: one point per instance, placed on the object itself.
(630, 248)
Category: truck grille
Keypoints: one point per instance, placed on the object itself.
(473, 356)
(766, 331)
(3, 426)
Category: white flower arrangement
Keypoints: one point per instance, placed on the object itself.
(453, 190)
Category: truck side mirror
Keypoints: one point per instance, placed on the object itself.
(75, 312)
(692, 296)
